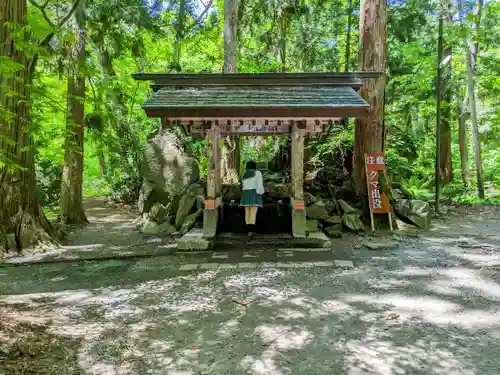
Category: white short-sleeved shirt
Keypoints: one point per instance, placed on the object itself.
(255, 182)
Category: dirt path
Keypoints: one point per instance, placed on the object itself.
(431, 306)
(111, 232)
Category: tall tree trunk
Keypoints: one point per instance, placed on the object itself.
(348, 36)
(345, 120)
(473, 116)
(20, 211)
(462, 124)
(281, 45)
(71, 201)
(230, 151)
(102, 164)
(179, 37)
(471, 68)
(445, 160)
(462, 141)
(368, 136)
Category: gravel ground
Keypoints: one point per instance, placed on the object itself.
(431, 306)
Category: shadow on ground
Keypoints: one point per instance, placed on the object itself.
(430, 307)
(110, 233)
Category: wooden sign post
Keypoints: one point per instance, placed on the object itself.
(377, 199)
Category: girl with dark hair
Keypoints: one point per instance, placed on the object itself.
(251, 194)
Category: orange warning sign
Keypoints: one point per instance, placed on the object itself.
(374, 165)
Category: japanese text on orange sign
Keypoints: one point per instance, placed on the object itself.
(375, 163)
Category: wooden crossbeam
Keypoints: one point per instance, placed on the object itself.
(250, 126)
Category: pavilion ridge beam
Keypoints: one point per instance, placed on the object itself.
(336, 79)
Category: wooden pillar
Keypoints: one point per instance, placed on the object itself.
(212, 199)
(298, 206)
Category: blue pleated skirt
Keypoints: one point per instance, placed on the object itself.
(250, 198)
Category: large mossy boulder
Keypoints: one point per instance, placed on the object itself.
(167, 172)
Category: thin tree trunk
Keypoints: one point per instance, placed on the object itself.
(179, 37)
(473, 116)
(368, 135)
(71, 201)
(20, 211)
(230, 151)
(445, 162)
(345, 120)
(348, 36)
(281, 45)
(462, 142)
(471, 68)
(102, 164)
(445, 157)
(462, 124)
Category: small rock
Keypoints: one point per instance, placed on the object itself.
(335, 227)
(334, 220)
(166, 228)
(190, 222)
(151, 227)
(391, 316)
(381, 245)
(415, 211)
(353, 221)
(346, 207)
(333, 232)
(397, 194)
(10, 242)
(317, 211)
(309, 198)
(194, 193)
(158, 213)
(312, 225)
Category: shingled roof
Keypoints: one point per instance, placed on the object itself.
(305, 95)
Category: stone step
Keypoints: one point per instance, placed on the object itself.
(262, 241)
(193, 241)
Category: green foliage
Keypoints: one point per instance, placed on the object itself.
(126, 190)
(48, 174)
(126, 36)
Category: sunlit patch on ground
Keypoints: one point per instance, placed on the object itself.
(429, 307)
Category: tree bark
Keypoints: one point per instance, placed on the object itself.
(473, 116)
(368, 136)
(179, 37)
(348, 36)
(281, 45)
(230, 151)
(471, 68)
(462, 142)
(71, 201)
(445, 162)
(20, 211)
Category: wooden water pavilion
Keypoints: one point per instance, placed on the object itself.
(293, 104)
